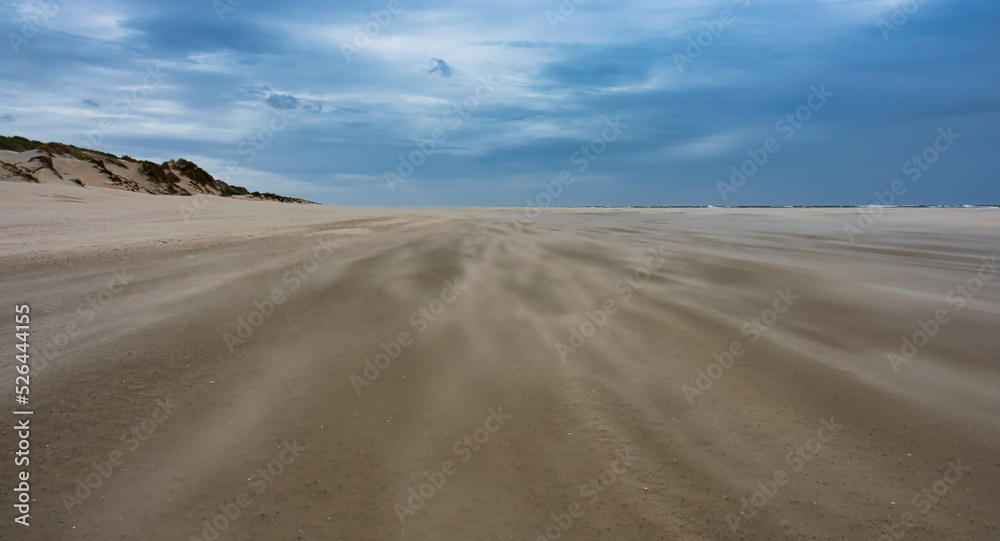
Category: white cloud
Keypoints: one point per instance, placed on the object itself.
(77, 18)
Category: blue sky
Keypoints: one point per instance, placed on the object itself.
(483, 102)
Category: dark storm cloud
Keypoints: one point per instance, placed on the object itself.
(440, 66)
(282, 101)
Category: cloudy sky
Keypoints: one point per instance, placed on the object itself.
(455, 103)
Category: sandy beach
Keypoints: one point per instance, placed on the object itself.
(259, 370)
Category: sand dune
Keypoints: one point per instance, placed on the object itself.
(267, 371)
(60, 164)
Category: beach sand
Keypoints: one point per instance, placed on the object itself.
(257, 370)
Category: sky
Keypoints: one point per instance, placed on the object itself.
(396, 103)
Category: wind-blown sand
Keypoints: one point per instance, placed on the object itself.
(630, 432)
